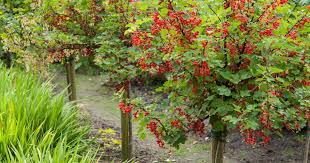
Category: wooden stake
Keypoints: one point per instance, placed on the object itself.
(126, 155)
(218, 147)
(126, 128)
(218, 139)
(67, 65)
(307, 143)
(71, 81)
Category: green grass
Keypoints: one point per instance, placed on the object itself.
(38, 126)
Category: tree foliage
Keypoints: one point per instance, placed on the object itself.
(243, 64)
(115, 55)
(73, 27)
(21, 32)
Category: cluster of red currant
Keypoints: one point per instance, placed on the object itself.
(125, 108)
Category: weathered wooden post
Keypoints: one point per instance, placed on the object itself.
(71, 81)
(219, 132)
(126, 127)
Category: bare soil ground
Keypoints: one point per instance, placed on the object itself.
(286, 149)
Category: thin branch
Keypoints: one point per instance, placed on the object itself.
(214, 12)
(293, 27)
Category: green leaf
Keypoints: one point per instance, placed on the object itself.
(275, 70)
(164, 33)
(245, 93)
(163, 12)
(244, 75)
(231, 77)
(143, 6)
(231, 119)
(142, 135)
(223, 90)
(251, 124)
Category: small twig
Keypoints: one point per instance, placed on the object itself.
(293, 27)
(214, 12)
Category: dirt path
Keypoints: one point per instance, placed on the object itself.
(95, 98)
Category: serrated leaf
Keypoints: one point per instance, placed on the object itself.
(223, 90)
(251, 124)
(231, 119)
(245, 93)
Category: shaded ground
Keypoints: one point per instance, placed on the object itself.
(286, 149)
(104, 115)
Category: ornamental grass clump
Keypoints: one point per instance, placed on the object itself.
(36, 125)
